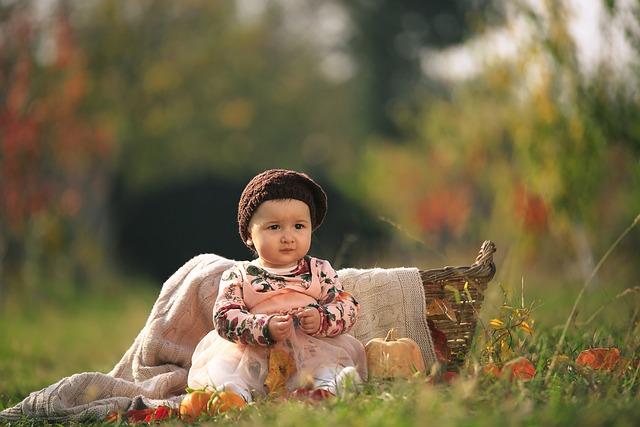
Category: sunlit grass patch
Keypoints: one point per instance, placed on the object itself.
(43, 343)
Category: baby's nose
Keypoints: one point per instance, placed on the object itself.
(286, 237)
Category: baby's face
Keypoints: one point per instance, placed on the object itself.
(281, 232)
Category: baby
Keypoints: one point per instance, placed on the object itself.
(282, 306)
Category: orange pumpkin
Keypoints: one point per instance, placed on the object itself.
(225, 400)
(520, 369)
(194, 404)
(393, 357)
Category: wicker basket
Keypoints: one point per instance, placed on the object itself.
(440, 283)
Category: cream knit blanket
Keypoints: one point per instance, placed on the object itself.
(154, 369)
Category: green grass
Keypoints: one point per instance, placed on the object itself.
(40, 344)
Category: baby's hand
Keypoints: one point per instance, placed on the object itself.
(280, 327)
(309, 320)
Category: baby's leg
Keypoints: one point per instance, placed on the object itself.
(239, 388)
(223, 365)
(337, 379)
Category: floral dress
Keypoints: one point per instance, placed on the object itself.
(236, 353)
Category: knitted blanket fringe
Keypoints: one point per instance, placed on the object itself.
(153, 371)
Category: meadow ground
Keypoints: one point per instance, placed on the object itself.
(45, 341)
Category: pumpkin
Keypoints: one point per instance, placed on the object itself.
(223, 401)
(194, 404)
(393, 357)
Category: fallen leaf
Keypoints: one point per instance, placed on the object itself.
(138, 415)
(450, 376)
(162, 413)
(112, 417)
(491, 369)
(281, 368)
(438, 307)
(440, 345)
(520, 369)
(599, 358)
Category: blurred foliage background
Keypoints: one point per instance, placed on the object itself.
(128, 130)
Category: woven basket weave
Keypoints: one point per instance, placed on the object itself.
(440, 283)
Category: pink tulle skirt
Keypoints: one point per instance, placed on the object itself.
(320, 362)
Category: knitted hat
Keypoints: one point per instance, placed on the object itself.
(280, 184)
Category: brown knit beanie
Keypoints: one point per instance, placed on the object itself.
(280, 184)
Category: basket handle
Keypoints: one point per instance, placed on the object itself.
(483, 269)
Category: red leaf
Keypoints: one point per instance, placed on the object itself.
(449, 376)
(440, 345)
(599, 358)
(138, 415)
(162, 413)
(146, 415)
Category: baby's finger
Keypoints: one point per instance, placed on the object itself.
(306, 314)
(281, 319)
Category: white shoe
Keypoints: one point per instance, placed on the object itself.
(347, 381)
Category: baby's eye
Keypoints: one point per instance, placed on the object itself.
(299, 226)
(274, 227)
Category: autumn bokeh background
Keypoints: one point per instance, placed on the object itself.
(128, 129)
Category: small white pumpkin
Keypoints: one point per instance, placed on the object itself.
(393, 357)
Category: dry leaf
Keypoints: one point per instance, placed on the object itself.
(521, 369)
(599, 358)
(281, 368)
(438, 307)
(560, 359)
(491, 369)
(440, 344)
(112, 417)
(450, 376)
(134, 416)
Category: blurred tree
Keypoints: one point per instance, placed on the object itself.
(530, 149)
(388, 40)
(53, 156)
(151, 93)
(194, 89)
